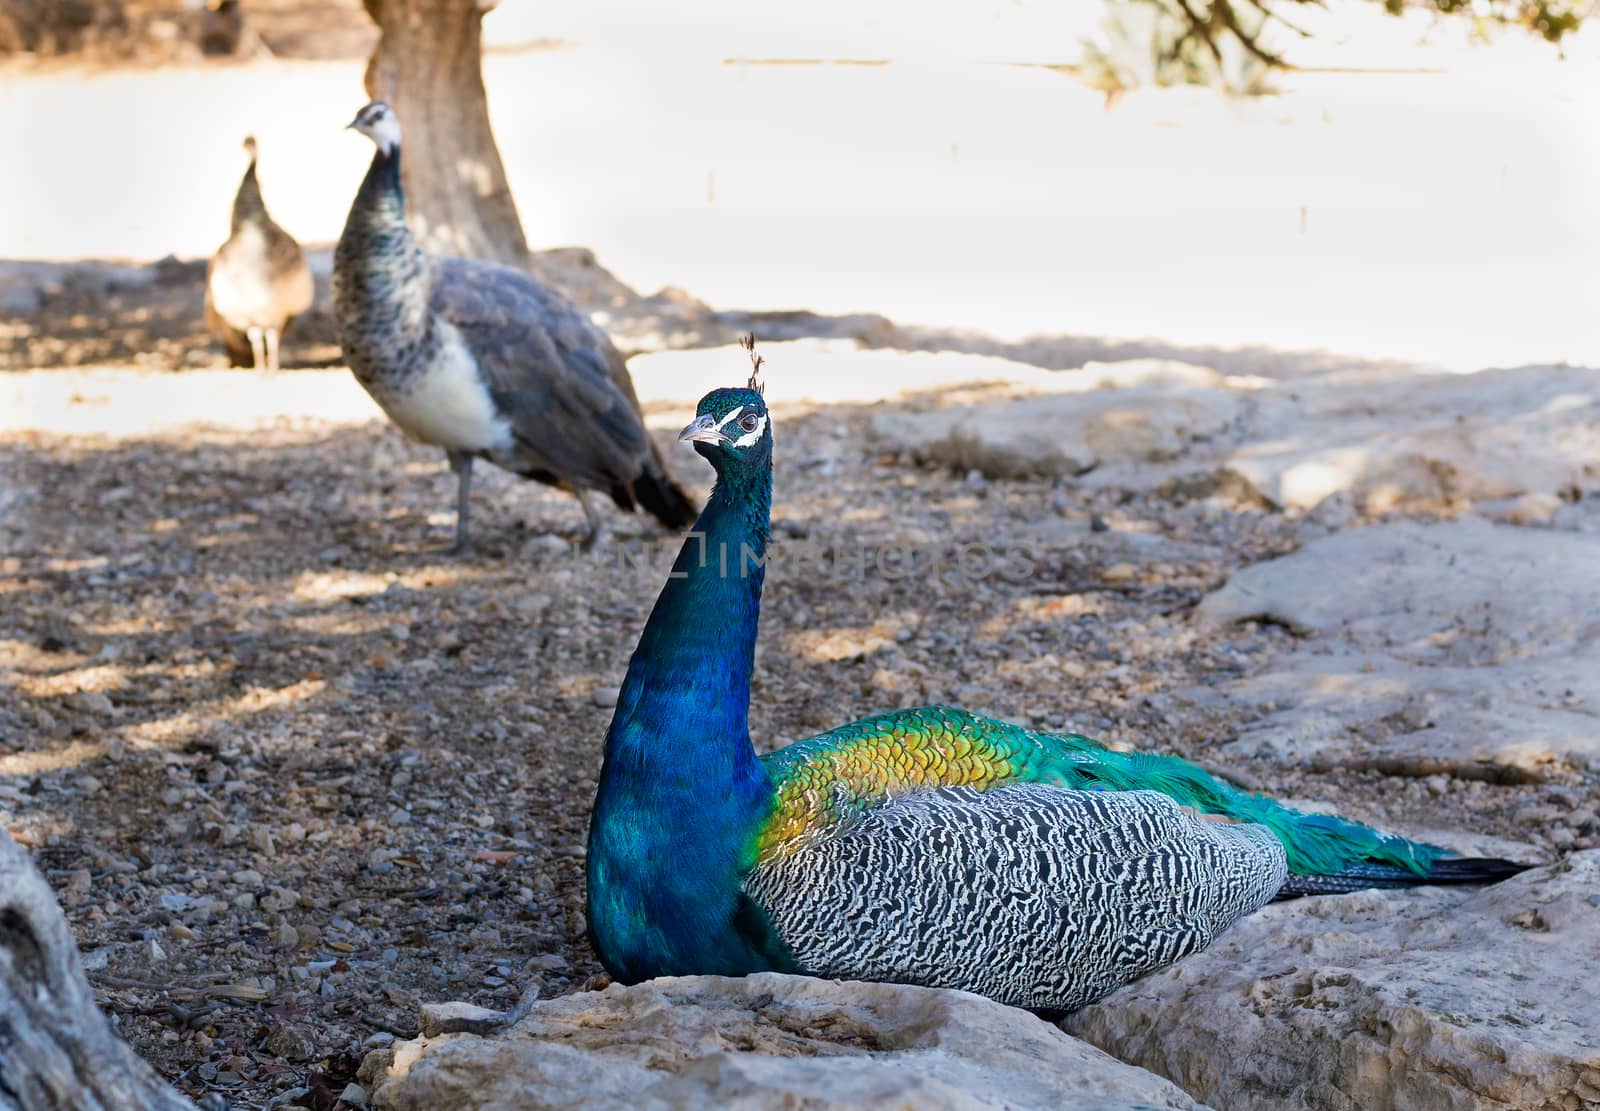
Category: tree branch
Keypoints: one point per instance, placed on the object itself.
(1269, 14)
(1223, 9)
(1201, 27)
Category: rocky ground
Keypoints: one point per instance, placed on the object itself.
(773, 1041)
(294, 771)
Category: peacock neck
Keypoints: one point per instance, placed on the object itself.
(679, 768)
(687, 691)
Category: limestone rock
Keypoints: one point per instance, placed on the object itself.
(1516, 441)
(762, 1041)
(1411, 440)
(1530, 589)
(1419, 1000)
(1463, 647)
(438, 1018)
(19, 297)
(1143, 411)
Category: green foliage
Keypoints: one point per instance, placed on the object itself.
(1153, 42)
(1225, 44)
(1553, 19)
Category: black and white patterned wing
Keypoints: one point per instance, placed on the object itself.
(1033, 895)
(549, 369)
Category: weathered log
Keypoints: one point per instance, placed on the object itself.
(57, 1051)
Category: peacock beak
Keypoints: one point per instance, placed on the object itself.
(704, 430)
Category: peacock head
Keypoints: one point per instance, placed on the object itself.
(378, 122)
(732, 429)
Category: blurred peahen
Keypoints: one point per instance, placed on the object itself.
(928, 846)
(257, 281)
(485, 361)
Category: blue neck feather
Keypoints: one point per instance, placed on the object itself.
(694, 659)
(682, 796)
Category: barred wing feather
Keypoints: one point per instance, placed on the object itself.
(1030, 894)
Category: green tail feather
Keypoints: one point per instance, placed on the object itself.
(857, 766)
(1316, 844)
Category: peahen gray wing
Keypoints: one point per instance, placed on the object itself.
(549, 370)
(1033, 895)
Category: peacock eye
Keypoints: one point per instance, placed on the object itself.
(748, 422)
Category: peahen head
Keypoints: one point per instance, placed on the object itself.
(731, 428)
(378, 122)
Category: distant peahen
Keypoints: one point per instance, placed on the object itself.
(486, 362)
(257, 281)
(926, 846)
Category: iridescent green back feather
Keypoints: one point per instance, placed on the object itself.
(825, 780)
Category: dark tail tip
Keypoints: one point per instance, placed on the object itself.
(664, 500)
(1366, 876)
(1474, 869)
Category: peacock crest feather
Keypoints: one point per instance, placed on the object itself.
(748, 342)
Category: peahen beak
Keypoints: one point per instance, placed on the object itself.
(704, 430)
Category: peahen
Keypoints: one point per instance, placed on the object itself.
(257, 281)
(486, 362)
(927, 846)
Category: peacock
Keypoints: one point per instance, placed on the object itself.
(257, 281)
(486, 362)
(927, 846)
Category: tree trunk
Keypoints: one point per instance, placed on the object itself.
(57, 1052)
(428, 66)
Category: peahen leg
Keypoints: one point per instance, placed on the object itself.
(595, 530)
(461, 463)
(272, 350)
(258, 354)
